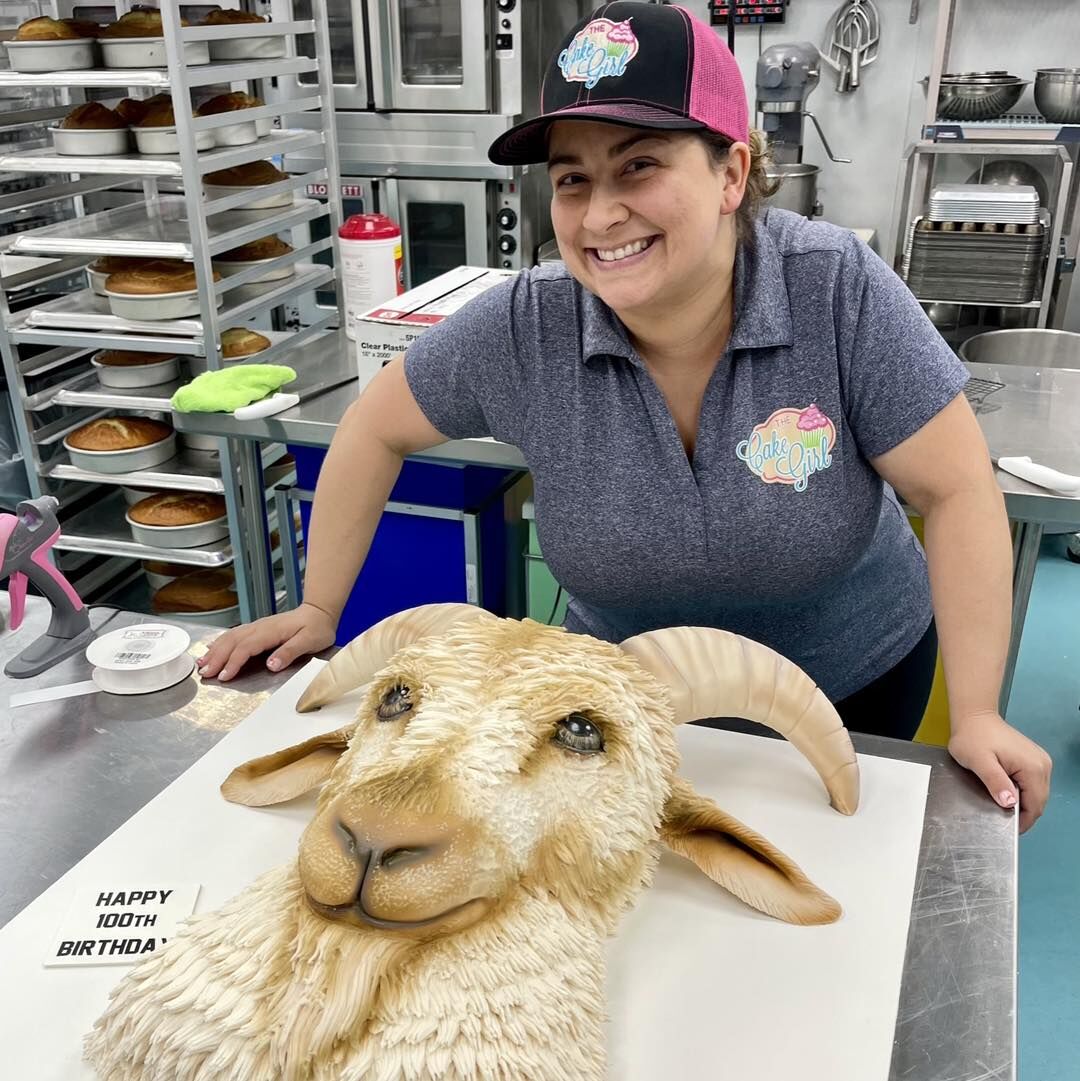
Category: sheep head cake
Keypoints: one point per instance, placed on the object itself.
(500, 802)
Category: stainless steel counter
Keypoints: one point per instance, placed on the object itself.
(1037, 413)
(71, 772)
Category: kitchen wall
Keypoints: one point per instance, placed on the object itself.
(875, 124)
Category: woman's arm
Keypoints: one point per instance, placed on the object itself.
(944, 472)
(376, 433)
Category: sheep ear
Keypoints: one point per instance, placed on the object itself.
(286, 774)
(740, 860)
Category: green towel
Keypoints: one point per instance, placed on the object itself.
(230, 388)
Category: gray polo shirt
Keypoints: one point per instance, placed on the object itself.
(779, 528)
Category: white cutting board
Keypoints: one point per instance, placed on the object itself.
(699, 986)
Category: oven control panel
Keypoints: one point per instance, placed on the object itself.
(507, 225)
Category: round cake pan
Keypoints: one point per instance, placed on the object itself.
(99, 142)
(136, 495)
(148, 52)
(123, 461)
(219, 617)
(241, 133)
(229, 268)
(179, 536)
(217, 191)
(194, 441)
(36, 56)
(136, 375)
(165, 140)
(154, 306)
(241, 48)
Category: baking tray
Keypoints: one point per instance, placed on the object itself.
(46, 160)
(161, 233)
(85, 311)
(102, 528)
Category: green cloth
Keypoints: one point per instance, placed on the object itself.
(230, 388)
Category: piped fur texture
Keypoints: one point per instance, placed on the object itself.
(501, 803)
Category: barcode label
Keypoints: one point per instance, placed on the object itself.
(131, 658)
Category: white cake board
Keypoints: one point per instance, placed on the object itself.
(700, 987)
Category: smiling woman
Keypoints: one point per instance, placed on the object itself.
(718, 407)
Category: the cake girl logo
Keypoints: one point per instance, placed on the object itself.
(790, 447)
(600, 51)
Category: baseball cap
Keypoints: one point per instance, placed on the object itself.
(639, 64)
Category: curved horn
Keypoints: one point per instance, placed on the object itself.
(354, 665)
(713, 673)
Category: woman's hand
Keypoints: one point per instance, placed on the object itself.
(306, 629)
(1006, 761)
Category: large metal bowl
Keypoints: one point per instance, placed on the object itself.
(978, 98)
(1057, 94)
(1032, 348)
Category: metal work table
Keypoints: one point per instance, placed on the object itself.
(73, 771)
(1036, 413)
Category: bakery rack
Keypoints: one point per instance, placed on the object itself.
(51, 323)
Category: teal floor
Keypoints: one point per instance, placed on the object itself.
(1044, 705)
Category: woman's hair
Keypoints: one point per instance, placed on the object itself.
(758, 185)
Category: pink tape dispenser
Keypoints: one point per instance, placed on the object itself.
(25, 539)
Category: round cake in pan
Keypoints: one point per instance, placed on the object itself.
(129, 358)
(158, 276)
(239, 342)
(202, 591)
(119, 433)
(46, 29)
(92, 116)
(250, 173)
(178, 508)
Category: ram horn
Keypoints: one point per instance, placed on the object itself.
(356, 663)
(713, 673)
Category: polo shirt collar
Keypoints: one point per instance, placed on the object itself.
(762, 311)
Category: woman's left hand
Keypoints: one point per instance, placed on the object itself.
(1006, 761)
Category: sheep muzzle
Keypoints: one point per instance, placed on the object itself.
(394, 871)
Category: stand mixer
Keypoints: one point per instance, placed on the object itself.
(786, 76)
(25, 539)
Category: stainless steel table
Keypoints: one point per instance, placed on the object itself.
(71, 772)
(1037, 413)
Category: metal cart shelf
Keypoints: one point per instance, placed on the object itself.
(46, 341)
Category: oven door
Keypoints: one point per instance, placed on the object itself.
(348, 51)
(444, 225)
(430, 55)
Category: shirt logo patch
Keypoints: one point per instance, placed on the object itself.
(599, 51)
(790, 447)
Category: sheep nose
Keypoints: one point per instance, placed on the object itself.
(377, 840)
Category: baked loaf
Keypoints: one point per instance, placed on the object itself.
(93, 116)
(227, 16)
(129, 358)
(226, 103)
(178, 508)
(46, 29)
(119, 433)
(242, 342)
(131, 110)
(267, 247)
(242, 176)
(157, 114)
(167, 570)
(113, 264)
(202, 591)
(138, 23)
(157, 276)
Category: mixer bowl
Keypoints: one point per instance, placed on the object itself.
(1057, 94)
(978, 98)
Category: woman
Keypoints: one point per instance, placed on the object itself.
(715, 408)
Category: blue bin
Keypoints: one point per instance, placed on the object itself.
(430, 552)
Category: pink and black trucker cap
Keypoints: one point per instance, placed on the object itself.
(638, 64)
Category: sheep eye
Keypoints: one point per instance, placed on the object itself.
(395, 703)
(577, 733)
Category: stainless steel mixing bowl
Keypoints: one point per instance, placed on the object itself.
(978, 97)
(1034, 348)
(1057, 94)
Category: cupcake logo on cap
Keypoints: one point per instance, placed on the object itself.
(601, 50)
(790, 447)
